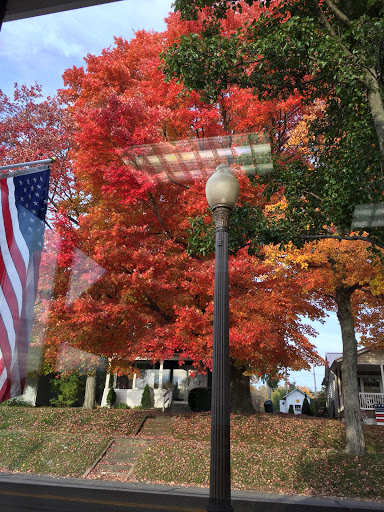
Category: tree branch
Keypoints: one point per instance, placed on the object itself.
(157, 213)
(339, 15)
(175, 182)
(323, 18)
(153, 305)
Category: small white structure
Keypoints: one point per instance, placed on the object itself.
(294, 398)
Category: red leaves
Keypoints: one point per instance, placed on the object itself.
(154, 299)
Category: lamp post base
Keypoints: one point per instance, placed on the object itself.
(219, 505)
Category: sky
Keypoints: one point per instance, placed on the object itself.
(38, 50)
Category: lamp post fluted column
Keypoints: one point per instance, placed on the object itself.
(222, 192)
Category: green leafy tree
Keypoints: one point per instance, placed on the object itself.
(332, 56)
(146, 401)
(277, 395)
(68, 390)
(290, 410)
(111, 397)
(306, 409)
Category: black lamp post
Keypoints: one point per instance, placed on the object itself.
(222, 191)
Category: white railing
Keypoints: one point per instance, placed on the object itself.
(167, 399)
(368, 400)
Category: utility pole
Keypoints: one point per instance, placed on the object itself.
(314, 379)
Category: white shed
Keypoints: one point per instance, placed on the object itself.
(294, 398)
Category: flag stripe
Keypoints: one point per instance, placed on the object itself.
(6, 356)
(13, 304)
(7, 256)
(7, 337)
(11, 231)
(4, 388)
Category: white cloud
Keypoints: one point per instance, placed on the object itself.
(40, 49)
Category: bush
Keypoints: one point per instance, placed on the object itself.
(122, 406)
(146, 401)
(111, 397)
(306, 409)
(68, 390)
(290, 410)
(199, 399)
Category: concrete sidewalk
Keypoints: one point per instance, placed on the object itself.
(164, 490)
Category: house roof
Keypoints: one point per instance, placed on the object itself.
(340, 356)
(331, 356)
(293, 390)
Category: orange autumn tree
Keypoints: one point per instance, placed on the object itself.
(36, 128)
(350, 275)
(154, 298)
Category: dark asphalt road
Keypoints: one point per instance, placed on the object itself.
(30, 493)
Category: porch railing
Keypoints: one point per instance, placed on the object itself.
(368, 400)
(167, 399)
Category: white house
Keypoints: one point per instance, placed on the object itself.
(294, 398)
(169, 383)
(370, 382)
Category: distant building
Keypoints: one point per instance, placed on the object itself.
(294, 398)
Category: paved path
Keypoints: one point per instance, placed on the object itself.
(121, 455)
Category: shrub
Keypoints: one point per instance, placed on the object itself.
(111, 397)
(68, 390)
(290, 410)
(199, 399)
(122, 406)
(306, 409)
(146, 401)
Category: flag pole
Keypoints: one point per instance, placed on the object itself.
(25, 164)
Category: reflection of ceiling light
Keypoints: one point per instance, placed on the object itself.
(188, 156)
(197, 158)
(368, 216)
(257, 169)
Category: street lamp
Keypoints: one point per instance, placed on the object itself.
(222, 191)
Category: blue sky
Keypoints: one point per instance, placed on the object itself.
(40, 49)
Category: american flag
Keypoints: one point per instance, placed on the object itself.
(24, 198)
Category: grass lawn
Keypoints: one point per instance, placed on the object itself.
(60, 442)
(270, 452)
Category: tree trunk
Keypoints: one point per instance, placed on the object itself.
(355, 443)
(90, 391)
(376, 106)
(240, 391)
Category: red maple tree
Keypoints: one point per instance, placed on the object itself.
(155, 299)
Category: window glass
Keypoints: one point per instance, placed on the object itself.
(119, 294)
